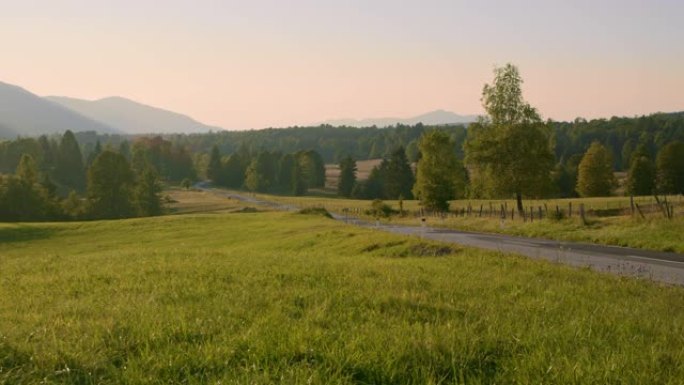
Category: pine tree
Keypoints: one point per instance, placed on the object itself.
(398, 176)
(641, 176)
(670, 168)
(69, 169)
(214, 168)
(347, 177)
(595, 172)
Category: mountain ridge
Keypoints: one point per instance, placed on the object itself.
(23, 113)
(133, 117)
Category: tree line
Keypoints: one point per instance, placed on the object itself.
(53, 181)
(267, 172)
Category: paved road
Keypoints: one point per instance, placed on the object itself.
(658, 266)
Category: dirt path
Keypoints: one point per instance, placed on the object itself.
(647, 264)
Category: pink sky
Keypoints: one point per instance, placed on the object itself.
(274, 63)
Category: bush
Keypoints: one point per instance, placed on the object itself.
(315, 211)
(379, 209)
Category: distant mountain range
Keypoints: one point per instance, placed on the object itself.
(25, 114)
(131, 117)
(438, 117)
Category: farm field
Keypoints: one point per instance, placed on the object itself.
(273, 297)
(608, 219)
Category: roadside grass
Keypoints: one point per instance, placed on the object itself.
(275, 297)
(197, 201)
(653, 232)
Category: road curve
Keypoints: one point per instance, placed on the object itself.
(644, 264)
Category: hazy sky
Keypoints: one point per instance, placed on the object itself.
(253, 64)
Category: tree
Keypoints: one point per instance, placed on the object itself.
(110, 185)
(313, 167)
(641, 176)
(347, 177)
(214, 171)
(595, 172)
(398, 176)
(670, 168)
(439, 172)
(69, 169)
(512, 148)
(146, 194)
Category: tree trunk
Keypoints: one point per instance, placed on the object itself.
(518, 198)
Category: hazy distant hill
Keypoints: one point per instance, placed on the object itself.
(133, 117)
(437, 117)
(23, 113)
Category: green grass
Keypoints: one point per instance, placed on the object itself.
(266, 298)
(653, 232)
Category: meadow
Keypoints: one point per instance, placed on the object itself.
(230, 297)
(608, 219)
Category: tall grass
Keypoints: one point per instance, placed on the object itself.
(266, 298)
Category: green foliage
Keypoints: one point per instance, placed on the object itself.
(641, 177)
(110, 186)
(380, 209)
(595, 174)
(511, 149)
(214, 171)
(439, 175)
(165, 300)
(347, 177)
(312, 167)
(398, 177)
(69, 170)
(670, 166)
(186, 183)
(147, 193)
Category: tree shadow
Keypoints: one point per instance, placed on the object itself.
(24, 233)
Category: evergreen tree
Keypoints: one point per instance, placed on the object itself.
(214, 168)
(670, 166)
(595, 173)
(234, 172)
(94, 154)
(347, 177)
(147, 193)
(641, 176)
(439, 173)
(69, 168)
(110, 186)
(512, 147)
(398, 176)
(125, 149)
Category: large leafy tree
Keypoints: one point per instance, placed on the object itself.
(595, 173)
(439, 174)
(110, 185)
(347, 177)
(147, 193)
(511, 148)
(670, 166)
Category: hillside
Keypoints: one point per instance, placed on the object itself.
(132, 117)
(23, 113)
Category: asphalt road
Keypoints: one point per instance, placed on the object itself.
(644, 264)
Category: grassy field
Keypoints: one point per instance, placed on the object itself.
(269, 297)
(651, 232)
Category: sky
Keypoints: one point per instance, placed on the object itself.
(267, 63)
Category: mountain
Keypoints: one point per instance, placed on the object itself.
(438, 117)
(132, 117)
(23, 113)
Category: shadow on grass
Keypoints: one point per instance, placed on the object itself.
(23, 233)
